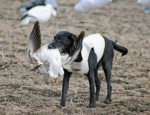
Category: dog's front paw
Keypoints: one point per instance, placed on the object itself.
(107, 101)
(62, 104)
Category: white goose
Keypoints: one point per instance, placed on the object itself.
(38, 13)
(32, 3)
(43, 56)
(89, 5)
(144, 2)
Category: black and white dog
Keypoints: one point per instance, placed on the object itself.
(84, 56)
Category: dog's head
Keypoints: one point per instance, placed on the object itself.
(65, 40)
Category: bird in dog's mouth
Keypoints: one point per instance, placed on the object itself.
(47, 60)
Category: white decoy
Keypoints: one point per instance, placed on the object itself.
(89, 5)
(28, 5)
(43, 56)
(144, 2)
(38, 13)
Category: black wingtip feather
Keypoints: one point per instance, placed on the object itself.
(35, 36)
(77, 43)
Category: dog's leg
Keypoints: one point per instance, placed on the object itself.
(92, 65)
(98, 85)
(91, 79)
(107, 66)
(97, 81)
(107, 61)
(65, 87)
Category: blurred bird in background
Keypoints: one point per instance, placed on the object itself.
(28, 5)
(145, 3)
(38, 13)
(90, 5)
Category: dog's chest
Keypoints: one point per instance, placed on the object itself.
(95, 41)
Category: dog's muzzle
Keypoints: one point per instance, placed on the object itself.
(51, 46)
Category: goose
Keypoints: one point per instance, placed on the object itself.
(144, 2)
(38, 13)
(47, 60)
(28, 5)
(89, 5)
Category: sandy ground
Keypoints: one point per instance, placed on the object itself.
(23, 92)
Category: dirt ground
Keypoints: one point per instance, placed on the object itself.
(24, 92)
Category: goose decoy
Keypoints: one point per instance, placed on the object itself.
(47, 60)
(38, 13)
(144, 2)
(89, 5)
(28, 5)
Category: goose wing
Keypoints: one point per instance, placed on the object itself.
(34, 42)
(77, 44)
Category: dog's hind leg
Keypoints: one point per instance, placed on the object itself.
(107, 66)
(97, 81)
(91, 77)
(107, 61)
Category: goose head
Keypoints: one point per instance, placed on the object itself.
(51, 9)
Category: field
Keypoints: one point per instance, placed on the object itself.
(23, 92)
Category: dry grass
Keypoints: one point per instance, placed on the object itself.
(24, 92)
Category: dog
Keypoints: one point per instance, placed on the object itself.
(84, 55)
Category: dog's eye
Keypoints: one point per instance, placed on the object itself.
(59, 39)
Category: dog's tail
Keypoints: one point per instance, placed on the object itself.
(119, 48)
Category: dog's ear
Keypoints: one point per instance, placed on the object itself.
(73, 37)
(77, 43)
